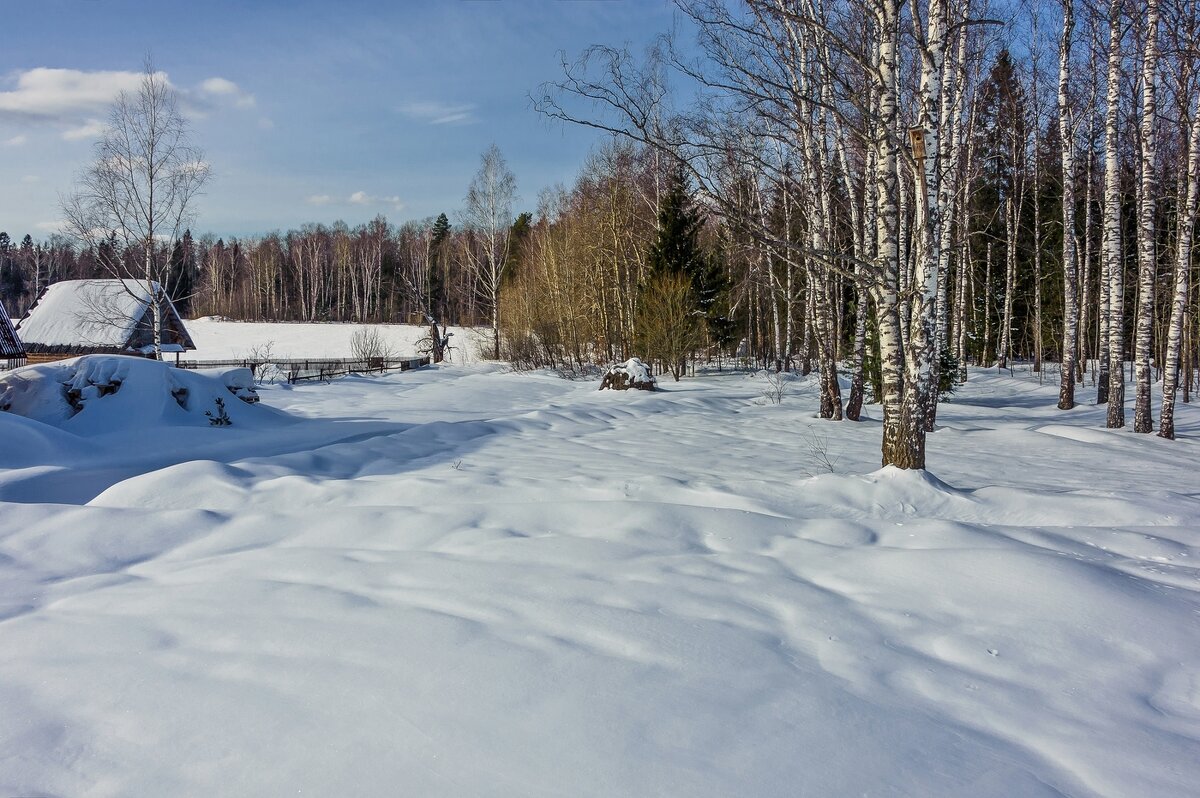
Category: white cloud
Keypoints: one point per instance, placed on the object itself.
(28, 179)
(219, 86)
(50, 227)
(227, 89)
(76, 100)
(265, 123)
(363, 198)
(437, 113)
(64, 95)
(88, 130)
(15, 141)
(320, 199)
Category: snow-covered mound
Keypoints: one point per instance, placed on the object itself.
(102, 394)
(633, 373)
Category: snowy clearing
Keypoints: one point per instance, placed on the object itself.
(220, 339)
(462, 581)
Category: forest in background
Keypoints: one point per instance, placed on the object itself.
(888, 190)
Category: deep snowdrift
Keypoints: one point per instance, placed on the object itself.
(503, 584)
(104, 394)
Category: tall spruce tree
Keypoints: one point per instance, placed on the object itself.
(181, 277)
(518, 238)
(437, 267)
(12, 280)
(680, 280)
(677, 248)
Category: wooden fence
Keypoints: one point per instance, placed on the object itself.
(323, 370)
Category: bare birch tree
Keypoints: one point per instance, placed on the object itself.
(489, 213)
(1112, 224)
(1147, 252)
(1189, 210)
(1070, 246)
(141, 186)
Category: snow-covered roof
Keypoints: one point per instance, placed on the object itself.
(100, 314)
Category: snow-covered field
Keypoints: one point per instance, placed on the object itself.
(219, 339)
(462, 581)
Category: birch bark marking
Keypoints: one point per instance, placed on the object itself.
(1070, 248)
(1112, 226)
(1142, 418)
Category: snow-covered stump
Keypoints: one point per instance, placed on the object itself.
(633, 373)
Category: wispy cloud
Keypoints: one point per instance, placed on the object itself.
(360, 198)
(438, 113)
(50, 227)
(363, 198)
(225, 89)
(15, 141)
(30, 179)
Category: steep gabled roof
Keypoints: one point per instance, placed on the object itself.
(10, 344)
(100, 314)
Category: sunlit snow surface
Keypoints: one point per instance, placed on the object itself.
(466, 582)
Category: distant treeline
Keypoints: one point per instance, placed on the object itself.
(374, 272)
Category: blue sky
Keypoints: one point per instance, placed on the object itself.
(307, 111)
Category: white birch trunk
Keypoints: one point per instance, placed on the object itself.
(921, 345)
(1012, 219)
(1179, 297)
(1112, 226)
(1070, 246)
(903, 448)
(1085, 276)
(1143, 420)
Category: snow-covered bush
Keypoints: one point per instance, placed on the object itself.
(368, 344)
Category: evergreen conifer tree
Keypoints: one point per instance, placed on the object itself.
(518, 235)
(437, 267)
(677, 249)
(181, 277)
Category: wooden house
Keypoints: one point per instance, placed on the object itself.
(12, 352)
(84, 317)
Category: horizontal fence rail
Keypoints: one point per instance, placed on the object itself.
(322, 369)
